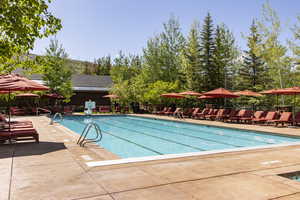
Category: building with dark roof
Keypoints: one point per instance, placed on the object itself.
(85, 87)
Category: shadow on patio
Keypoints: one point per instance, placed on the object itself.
(29, 149)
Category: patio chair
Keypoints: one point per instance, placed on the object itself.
(17, 111)
(178, 113)
(285, 117)
(212, 115)
(68, 110)
(296, 119)
(188, 112)
(221, 114)
(232, 113)
(104, 109)
(270, 116)
(168, 111)
(195, 112)
(256, 115)
(161, 111)
(19, 134)
(205, 111)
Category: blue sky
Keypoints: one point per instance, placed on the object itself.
(95, 28)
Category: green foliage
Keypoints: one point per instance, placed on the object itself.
(154, 90)
(103, 66)
(21, 23)
(253, 73)
(191, 63)
(56, 74)
(207, 45)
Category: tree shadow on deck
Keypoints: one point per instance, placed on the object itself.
(29, 149)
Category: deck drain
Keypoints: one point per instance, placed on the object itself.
(270, 162)
(86, 157)
(291, 175)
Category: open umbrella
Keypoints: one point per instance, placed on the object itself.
(221, 93)
(206, 97)
(27, 95)
(248, 93)
(54, 96)
(190, 93)
(111, 96)
(290, 91)
(272, 92)
(173, 95)
(14, 82)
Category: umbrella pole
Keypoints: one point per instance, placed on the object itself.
(9, 114)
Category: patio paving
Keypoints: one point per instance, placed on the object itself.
(56, 169)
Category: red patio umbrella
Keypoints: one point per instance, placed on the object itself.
(112, 96)
(27, 95)
(206, 97)
(54, 96)
(248, 93)
(221, 93)
(190, 93)
(15, 82)
(172, 95)
(272, 92)
(290, 91)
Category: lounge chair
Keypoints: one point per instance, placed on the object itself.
(14, 122)
(195, 112)
(17, 111)
(221, 114)
(256, 115)
(270, 116)
(188, 112)
(104, 109)
(19, 134)
(212, 114)
(232, 113)
(178, 113)
(161, 111)
(285, 117)
(168, 111)
(296, 119)
(205, 111)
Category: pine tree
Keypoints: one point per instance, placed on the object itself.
(191, 63)
(224, 55)
(207, 45)
(253, 73)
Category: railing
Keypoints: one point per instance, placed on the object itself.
(83, 137)
(55, 116)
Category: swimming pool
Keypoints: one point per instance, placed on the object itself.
(128, 136)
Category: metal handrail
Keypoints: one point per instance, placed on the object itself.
(82, 140)
(55, 116)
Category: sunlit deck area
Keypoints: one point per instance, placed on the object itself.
(56, 169)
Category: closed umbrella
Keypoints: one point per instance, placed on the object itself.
(15, 82)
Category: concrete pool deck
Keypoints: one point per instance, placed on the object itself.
(56, 169)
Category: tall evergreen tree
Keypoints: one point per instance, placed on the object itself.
(191, 63)
(253, 73)
(207, 45)
(224, 56)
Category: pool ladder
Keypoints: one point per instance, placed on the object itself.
(83, 137)
(55, 116)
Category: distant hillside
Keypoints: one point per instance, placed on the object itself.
(77, 66)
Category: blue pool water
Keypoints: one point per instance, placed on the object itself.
(128, 136)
